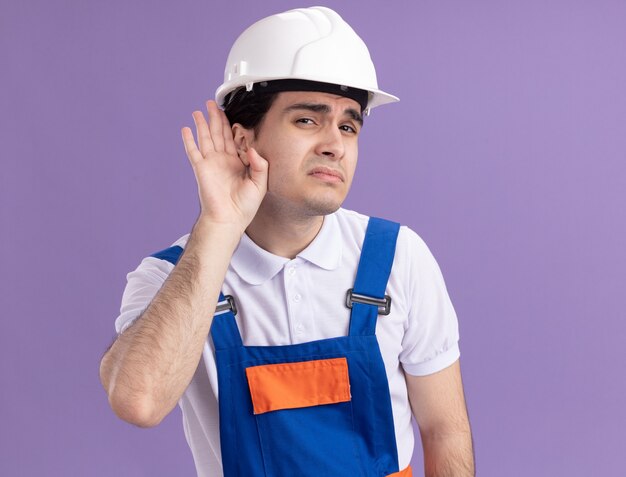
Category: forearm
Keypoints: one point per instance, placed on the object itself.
(150, 365)
(448, 454)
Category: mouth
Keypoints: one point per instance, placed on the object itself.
(327, 174)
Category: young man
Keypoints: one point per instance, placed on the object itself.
(336, 326)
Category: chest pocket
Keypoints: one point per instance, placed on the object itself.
(304, 418)
(293, 385)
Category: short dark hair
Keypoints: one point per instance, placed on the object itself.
(248, 108)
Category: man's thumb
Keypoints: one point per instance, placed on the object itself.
(258, 167)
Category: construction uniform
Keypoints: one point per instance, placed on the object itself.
(303, 384)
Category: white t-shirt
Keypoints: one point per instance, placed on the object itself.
(282, 301)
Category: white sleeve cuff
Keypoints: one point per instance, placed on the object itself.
(439, 362)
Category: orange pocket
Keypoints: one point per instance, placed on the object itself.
(303, 384)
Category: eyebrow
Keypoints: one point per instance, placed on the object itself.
(324, 109)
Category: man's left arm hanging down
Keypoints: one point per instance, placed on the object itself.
(438, 404)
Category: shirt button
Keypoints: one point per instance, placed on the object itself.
(299, 329)
(297, 297)
(292, 271)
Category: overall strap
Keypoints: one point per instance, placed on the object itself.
(224, 329)
(171, 254)
(379, 247)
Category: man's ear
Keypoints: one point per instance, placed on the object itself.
(243, 138)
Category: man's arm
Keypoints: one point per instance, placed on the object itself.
(438, 405)
(150, 365)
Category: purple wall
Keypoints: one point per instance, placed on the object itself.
(507, 154)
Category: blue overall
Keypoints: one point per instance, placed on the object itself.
(351, 438)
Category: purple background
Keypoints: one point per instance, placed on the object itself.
(506, 154)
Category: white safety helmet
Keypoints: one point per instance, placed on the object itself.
(312, 44)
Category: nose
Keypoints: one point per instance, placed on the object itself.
(330, 143)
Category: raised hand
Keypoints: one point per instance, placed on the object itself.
(230, 187)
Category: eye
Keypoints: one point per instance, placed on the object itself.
(305, 121)
(349, 129)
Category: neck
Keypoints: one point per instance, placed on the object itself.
(281, 234)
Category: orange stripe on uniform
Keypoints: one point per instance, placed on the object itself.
(302, 384)
(403, 473)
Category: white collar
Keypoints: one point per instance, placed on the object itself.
(255, 265)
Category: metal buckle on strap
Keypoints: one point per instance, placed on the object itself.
(228, 304)
(383, 304)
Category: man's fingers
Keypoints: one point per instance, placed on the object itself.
(214, 139)
(215, 125)
(202, 131)
(191, 149)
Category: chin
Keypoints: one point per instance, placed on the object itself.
(322, 207)
(302, 205)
